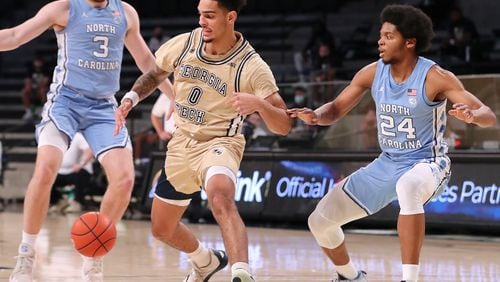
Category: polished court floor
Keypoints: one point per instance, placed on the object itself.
(275, 254)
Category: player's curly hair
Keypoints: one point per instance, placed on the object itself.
(411, 22)
(232, 5)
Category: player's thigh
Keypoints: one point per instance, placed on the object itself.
(118, 165)
(222, 152)
(101, 139)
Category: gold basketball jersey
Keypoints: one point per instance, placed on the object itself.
(204, 83)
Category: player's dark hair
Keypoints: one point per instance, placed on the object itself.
(232, 5)
(411, 22)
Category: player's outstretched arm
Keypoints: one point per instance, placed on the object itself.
(53, 14)
(465, 106)
(345, 101)
(143, 87)
(139, 49)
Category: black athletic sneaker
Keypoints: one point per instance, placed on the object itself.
(360, 278)
(218, 260)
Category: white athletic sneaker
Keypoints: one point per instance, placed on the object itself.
(92, 269)
(241, 275)
(218, 260)
(360, 278)
(23, 272)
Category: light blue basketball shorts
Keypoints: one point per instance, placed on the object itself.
(71, 112)
(373, 187)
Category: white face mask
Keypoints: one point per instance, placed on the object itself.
(299, 99)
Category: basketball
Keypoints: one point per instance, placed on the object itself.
(93, 234)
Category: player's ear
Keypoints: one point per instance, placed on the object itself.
(411, 43)
(231, 16)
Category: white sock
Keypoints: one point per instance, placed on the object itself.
(241, 265)
(347, 270)
(87, 259)
(410, 272)
(29, 239)
(201, 256)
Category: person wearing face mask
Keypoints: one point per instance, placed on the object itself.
(300, 130)
(299, 97)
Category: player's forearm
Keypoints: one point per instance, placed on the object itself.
(146, 84)
(276, 119)
(326, 114)
(484, 117)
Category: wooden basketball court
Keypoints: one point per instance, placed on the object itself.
(275, 254)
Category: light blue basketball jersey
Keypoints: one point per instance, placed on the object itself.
(90, 50)
(410, 127)
(410, 131)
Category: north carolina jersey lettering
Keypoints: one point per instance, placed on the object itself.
(410, 127)
(204, 83)
(90, 50)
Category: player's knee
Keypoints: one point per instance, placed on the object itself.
(44, 176)
(161, 232)
(328, 234)
(413, 191)
(125, 182)
(221, 204)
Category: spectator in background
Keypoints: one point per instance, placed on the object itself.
(145, 142)
(253, 127)
(320, 35)
(462, 40)
(162, 118)
(76, 169)
(324, 62)
(36, 85)
(301, 130)
(322, 90)
(157, 39)
(368, 128)
(299, 98)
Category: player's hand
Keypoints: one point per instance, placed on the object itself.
(164, 135)
(121, 115)
(462, 112)
(245, 103)
(305, 114)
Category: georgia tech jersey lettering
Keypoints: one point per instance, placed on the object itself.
(204, 83)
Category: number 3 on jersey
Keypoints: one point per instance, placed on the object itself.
(388, 128)
(103, 47)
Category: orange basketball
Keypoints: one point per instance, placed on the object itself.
(93, 234)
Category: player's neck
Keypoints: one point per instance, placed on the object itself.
(402, 70)
(98, 3)
(222, 46)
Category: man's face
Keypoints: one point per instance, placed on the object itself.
(213, 19)
(391, 44)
